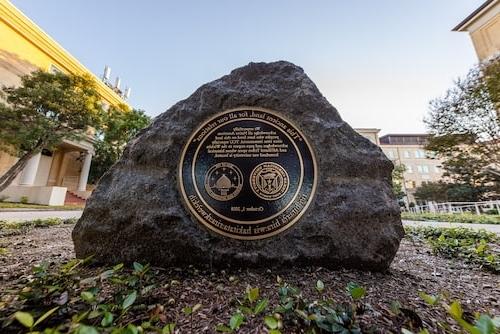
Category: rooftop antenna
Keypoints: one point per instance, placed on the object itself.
(117, 82)
(106, 74)
(127, 93)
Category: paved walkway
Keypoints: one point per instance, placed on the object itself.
(488, 227)
(29, 215)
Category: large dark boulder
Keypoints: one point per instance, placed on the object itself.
(136, 212)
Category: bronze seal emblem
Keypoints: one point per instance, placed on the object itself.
(247, 173)
(269, 180)
(223, 181)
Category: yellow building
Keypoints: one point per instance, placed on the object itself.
(369, 133)
(483, 26)
(24, 47)
(408, 150)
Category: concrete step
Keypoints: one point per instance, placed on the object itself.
(72, 198)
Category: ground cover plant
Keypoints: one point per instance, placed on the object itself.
(466, 218)
(20, 227)
(73, 298)
(480, 248)
(44, 289)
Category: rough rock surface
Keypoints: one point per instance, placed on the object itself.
(136, 212)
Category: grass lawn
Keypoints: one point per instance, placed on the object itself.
(10, 205)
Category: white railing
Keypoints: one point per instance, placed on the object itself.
(457, 207)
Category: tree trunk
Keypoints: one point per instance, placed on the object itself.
(10, 175)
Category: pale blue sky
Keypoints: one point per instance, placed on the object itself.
(378, 62)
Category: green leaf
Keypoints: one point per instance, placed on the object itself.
(274, 331)
(118, 267)
(261, 306)
(485, 324)
(455, 310)
(107, 319)
(168, 329)
(129, 300)
(395, 307)
(87, 296)
(271, 322)
(79, 317)
(187, 310)
(138, 267)
(429, 299)
(24, 318)
(320, 286)
(245, 310)
(132, 329)
(94, 314)
(82, 329)
(223, 328)
(253, 294)
(45, 315)
(301, 314)
(236, 321)
(356, 291)
(107, 274)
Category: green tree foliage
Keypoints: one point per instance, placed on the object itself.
(45, 110)
(448, 192)
(465, 130)
(120, 125)
(432, 191)
(397, 181)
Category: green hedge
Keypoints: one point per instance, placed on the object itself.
(476, 247)
(467, 218)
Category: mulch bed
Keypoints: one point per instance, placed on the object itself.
(414, 269)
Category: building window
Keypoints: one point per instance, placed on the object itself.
(390, 154)
(406, 154)
(419, 168)
(419, 154)
(425, 169)
(409, 168)
(53, 69)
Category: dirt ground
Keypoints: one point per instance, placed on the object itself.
(414, 269)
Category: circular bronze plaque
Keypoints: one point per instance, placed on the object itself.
(247, 173)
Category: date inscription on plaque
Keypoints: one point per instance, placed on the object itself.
(247, 173)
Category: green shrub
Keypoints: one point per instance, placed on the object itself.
(475, 247)
(466, 218)
(492, 212)
(24, 199)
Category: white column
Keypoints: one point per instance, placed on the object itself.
(29, 172)
(84, 174)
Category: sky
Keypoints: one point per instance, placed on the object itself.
(378, 62)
